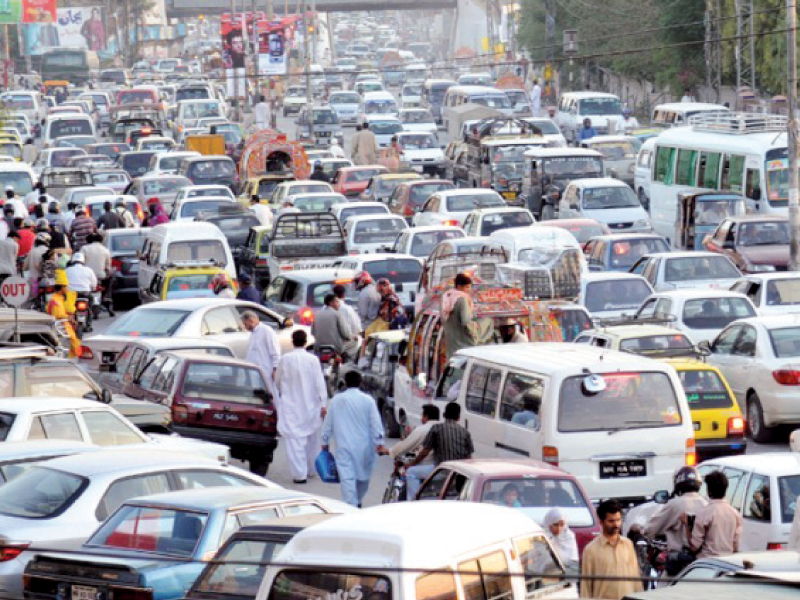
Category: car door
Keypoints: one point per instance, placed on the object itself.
(757, 514)
(274, 293)
(470, 224)
(568, 206)
(426, 213)
(519, 416)
(723, 357)
(433, 487)
(481, 402)
(650, 272)
(223, 325)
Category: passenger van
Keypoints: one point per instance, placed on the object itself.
(183, 242)
(379, 103)
(676, 114)
(604, 110)
(57, 126)
(411, 550)
(31, 104)
(433, 93)
(475, 94)
(737, 152)
(620, 423)
(191, 111)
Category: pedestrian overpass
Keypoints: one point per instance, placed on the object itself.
(192, 8)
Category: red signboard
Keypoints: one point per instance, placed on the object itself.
(39, 11)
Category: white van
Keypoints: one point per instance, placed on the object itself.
(379, 103)
(387, 552)
(31, 104)
(183, 242)
(676, 114)
(641, 172)
(604, 110)
(620, 423)
(191, 111)
(62, 125)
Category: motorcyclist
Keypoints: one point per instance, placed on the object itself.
(369, 298)
(222, 287)
(81, 278)
(61, 308)
(670, 520)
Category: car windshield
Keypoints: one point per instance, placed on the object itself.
(185, 285)
(536, 496)
(318, 583)
(419, 193)
(491, 223)
(424, 242)
(234, 573)
(378, 230)
(200, 110)
(572, 167)
(228, 383)
(189, 210)
(656, 343)
(198, 251)
(615, 150)
(385, 187)
(316, 204)
(616, 294)
(137, 163)
(127, 243)
(769, 233)
(164, 186)
(60, 158)
(161, 530)
(136, 97)
(417, 116)
(39, 493)
(704, 389)
(715, 313)
(609, 197)
(21, 102)
(360, 210)
(64, 127)
(697, 269)
(198, 93)
(325, 117)
(789, 487)
(345, 98)
(636, 400)
(625, 253)
(512, 153)
(385, 127)
(417, 141)
(318, 291)
(600, 106)
(411, 90)
(380, 107)
(210, 169)
(712, 212)
(19, 180)
(396, 270)
(148, 322)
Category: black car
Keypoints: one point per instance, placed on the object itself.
(233, 574)
(235, 224)
(124, 246)
(209, 170)
(377, 364)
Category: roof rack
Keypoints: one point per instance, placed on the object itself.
(738, 123)
(665, 320)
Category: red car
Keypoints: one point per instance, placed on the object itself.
(352, 181)
(539, 486)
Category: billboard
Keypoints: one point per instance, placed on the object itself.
(39, 11)
(272, 49)
(81, 27)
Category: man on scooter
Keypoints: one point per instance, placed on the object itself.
(58, 308)
(83, 282)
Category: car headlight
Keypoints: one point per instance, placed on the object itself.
(642, 223)
(760, 268)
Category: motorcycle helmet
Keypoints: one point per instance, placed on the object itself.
(362, 280)
(687, 479)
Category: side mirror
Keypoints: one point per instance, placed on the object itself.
(705, 346)
(661, 497)
(756, 194)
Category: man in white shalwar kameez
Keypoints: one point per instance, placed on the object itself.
(263, 349)
(354, 426)
(301, 402)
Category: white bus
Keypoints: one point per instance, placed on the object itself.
(744, 153)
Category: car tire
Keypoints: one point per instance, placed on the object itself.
(758, 431)
(389, 421)
(548, 212)
(259, 466)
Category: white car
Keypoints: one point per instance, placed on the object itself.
(158, 143)
(296, 187)
(317, 202)
(167, 163)
(411, 95)
(18, 457)
(68, 497)
(189, 208)
(763, 488)
(384, 127)
(346, 106)
(372, 233)
(484, 222)
(687, 270)
(78, 194)
(609, 201)
(610, 295)
(759, 358)
(771, 293)
(402, 270)
(421, 241)
(641, 172)
(451, 207)
(352, 209)
(197, 191)
(700, 314)
(421, 151)
(550, 131)
(418, 119)
(294, 100)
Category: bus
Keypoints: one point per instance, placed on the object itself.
(737, 152)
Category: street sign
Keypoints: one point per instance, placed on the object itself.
(15, 291)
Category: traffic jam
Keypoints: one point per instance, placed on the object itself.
(346, 314)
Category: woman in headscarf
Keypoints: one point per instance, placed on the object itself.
(560, 536)
(157, 215)
(392, 310)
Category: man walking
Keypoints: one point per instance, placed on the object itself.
(263, 349)
(536, 98)
(718, 526)
(301, 400)
(448, 441)
(354, 426)
(369, 299)
(109, 219)
(350, 315)
(331, 329)
(261, 112)
(610, 555)
(364, 149)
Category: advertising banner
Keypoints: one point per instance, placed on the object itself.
(10, 12)
(272, 50)
(81, 27)
(39, 11)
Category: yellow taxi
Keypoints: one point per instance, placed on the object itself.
(10, 134)
(189, 280)
(719, 427)
(11, 149)
(263, 186)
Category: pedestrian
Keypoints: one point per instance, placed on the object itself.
(561, 537)
(353, 426)
(350, 314)
(261, 211)
(81, 227)
(536, 98)
(263, 349)
(610, 555)
(318, 174)
(670, 521)
(331, 329)
(8, 256)
(261, 112)
(98, 259)
(301, 401)
(364, 147)
(391, 311)
(336, 150)
(156, 214)
(369, 299)
(717, 526)
(109, 219)
(461, 330)
(247, 291)
(29, 152)
(586, 132)
(66, 218)
(20, 211)
(416, 437)
(447, 441)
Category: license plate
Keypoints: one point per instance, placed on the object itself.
(324, 134)
(81, 318)
(510, 195)
(227, 417)
(108, 357)
(84, 592)
(619, 469)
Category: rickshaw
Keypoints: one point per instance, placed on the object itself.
(268, 151)
(699, 214)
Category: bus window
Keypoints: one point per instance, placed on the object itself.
(753, 184)
(708, 175)
(665, 159)
(732, 173)
(685, 169)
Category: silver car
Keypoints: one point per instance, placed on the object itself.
(68, 497)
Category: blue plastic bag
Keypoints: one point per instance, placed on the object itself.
(326, 467)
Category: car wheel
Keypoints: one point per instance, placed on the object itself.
(548, 212)
(755, 420)
(389, 421)
(259, 466)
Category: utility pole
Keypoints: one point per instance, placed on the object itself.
(314, 26)
(791, 147)
(307, 62)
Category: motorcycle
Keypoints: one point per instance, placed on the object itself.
(83, 314)
(396, 488)
(331, 361)
(652, 555)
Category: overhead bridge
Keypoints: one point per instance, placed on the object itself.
(192, 8)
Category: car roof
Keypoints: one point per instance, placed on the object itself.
(378, 256)
(686, 254)
(598, 182)
(499, 467)
(282, 525)
(343, 205)
(588, 94)
(492, 210)
(428, 228)
(466, 192)
(636, 331)
(621, 237)
(191, 304)
(374, 217)
(774, 463)
(773, 321)
(10, 451)
(31, 404)
(121, 460)
(215, 498)
(166, 343)
(317, 275)
(594, 276)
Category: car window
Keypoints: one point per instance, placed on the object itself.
(483, 389)
(62, 426)
(715, 313)
(441, 586)
(39, 493)
(166, 375)
(195, 479)
(107, 429)
(151, 371)
(540, 566)
(131, 487)
(745, 344)
(229, 577)
(225, 383)
(757, 500)
(736, 483)
(432, 489)
(63, 380)
(724, 342)
(455, 486)
(308, 508)
(521, 400)
(487, 577)
(265, 317)
(220, 321)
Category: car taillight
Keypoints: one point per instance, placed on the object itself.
(81, 305)
(11, 550)
(116, 265)
(86, 353)
(180, 414)
(486, 183)
(287, 267)
(353, 253)
(735, 426)
(787, 376)
(776, 546)
(261, 262)
(450, 223)
(691, 455)
(307, 317)
(550, 455)
(408, 211)
(270, 420)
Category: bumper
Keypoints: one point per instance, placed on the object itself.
(781, 407)
(711, 448)
(264, 442)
